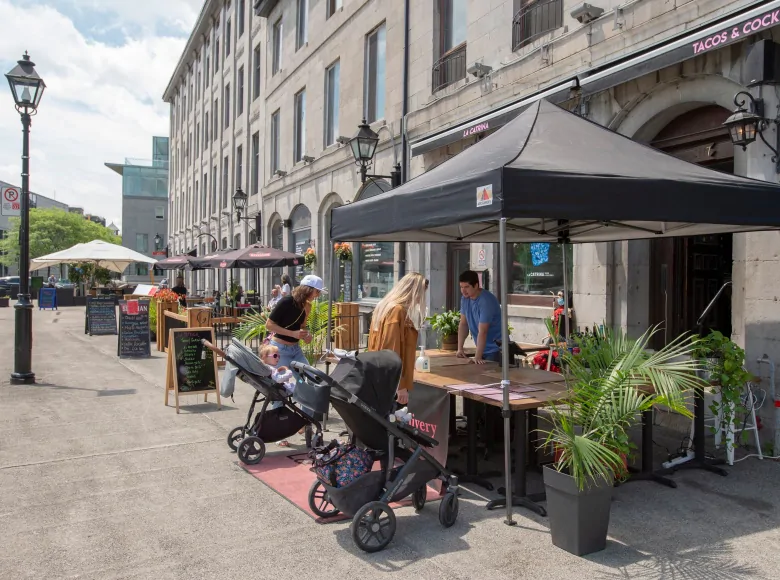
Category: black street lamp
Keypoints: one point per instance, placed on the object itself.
(363, 146)
(27, 89)
(744, 125)
(239, 202)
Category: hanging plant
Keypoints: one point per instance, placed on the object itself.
(310, 259)
(343, 251)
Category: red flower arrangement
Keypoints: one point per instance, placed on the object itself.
(166, 295)
(343, 251)
(310, 259)
(540, 361)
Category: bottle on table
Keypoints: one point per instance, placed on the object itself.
(423, 363)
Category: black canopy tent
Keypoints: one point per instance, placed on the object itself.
(550, 175)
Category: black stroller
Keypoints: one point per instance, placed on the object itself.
(362, 390)
(269, 425)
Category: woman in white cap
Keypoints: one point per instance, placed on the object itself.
(287, 321)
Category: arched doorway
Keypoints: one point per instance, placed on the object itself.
(300, 237)
(686, 273)
(277, 242)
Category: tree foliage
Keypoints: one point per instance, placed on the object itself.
(52, 230)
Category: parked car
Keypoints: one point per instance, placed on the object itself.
(65, 283)
(9, 286)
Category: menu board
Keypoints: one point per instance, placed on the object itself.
(371, 252)
(133, 340)
(101, 315)
(301, 245)
(192, 367)
(347, 281)
(47, 298)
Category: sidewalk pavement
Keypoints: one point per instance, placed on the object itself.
(100, 480)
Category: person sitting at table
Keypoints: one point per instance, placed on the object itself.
(276, 296)
(480, 316)
(395, 326)
(181, 290)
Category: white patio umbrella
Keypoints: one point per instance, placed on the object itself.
(110, 256)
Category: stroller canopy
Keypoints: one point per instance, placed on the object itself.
(373, 377)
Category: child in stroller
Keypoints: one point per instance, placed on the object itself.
(269, 425)
(362, 390)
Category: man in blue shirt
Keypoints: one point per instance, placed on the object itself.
(480, 316)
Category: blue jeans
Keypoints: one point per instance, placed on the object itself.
(287, 354)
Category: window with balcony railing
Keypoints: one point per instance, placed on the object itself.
(534, 19)
(450, 68)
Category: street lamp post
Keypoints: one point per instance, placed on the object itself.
(363, 146)
(27, 89)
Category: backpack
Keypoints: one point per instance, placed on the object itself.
(338, 465)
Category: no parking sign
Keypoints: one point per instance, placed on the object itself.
(11, 201)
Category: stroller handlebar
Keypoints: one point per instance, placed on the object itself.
(310, 372)
(213, 348)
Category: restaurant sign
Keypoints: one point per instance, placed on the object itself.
(736, 33)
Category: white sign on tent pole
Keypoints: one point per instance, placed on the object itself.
(11, 201)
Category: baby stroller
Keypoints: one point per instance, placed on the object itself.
(362, 390)
(269, 425)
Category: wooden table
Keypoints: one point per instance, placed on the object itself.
(447, 372)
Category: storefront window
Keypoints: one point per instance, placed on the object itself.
(538, 268)
(376, 270)
(300, 238)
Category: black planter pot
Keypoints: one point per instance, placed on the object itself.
(579, 519)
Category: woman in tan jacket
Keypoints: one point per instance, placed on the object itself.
(396, 323)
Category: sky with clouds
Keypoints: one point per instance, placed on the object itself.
(106, 64)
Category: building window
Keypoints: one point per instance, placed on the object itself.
(276, 54)
(538, 268)
(226, 104)
(241, 16)
(300, 237)
(141, 269)
(240, 93)
(159, 212)
(207, 76)
(205, 130)
(204, 209)
(225, 176)
(192, 99)
(214, 175)
(197, 139)
(239, 165)
(535, 18)
(277, 242)
(299, 145)
(256, 74)
(332, 7)
(256, 163)
(224, 243)
(227, 37)
(374, 77)
(215, 120)
(375, 261)
(275, 141)
(198, 87)
(450, 27)
(216, 56)
(332, 103)
(302, 32)
(142, 243)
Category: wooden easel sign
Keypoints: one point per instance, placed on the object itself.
(191, 368)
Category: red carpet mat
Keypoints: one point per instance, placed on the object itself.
(289, 476)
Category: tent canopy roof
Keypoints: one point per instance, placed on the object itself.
(557, 176)
(111, 256)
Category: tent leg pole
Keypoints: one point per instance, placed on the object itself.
(565, 246)
(329, 340)
(505, 373)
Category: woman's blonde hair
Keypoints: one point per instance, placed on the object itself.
(409, 293)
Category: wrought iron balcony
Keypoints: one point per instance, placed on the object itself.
(534, 20)
(449, 68)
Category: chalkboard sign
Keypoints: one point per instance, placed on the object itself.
(192, 368)
(134, 340)
(47, 298)
(101, 315)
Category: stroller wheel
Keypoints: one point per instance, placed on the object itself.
(251, 450)
(235, 437)
(319, 501)
(373, 527)
(448, 509)
(419, 496)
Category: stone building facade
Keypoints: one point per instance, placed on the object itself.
(663, 72)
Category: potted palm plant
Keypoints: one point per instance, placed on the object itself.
(446, 325)
(610, 383)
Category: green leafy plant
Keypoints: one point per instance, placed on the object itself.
(609, 384)
(317, 325)
(253, 326)
(445, 323)
(724, 361)
(153, 314)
